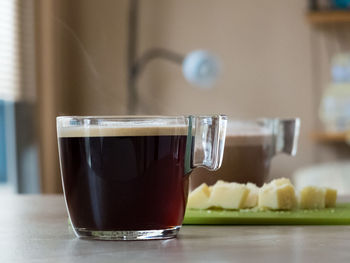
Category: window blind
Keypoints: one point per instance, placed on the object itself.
(9, 51)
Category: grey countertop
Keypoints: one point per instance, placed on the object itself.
(35, 229)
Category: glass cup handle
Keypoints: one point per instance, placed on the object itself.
(209, 141)
(287, 134)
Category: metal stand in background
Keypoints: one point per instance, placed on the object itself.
(136, 65)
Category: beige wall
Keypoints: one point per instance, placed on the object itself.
(264, 47)
(91, 53)
(265, 51)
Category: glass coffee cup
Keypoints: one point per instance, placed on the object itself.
(127, 178)
(249, 148)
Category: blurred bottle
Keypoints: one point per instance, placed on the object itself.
(335, 103)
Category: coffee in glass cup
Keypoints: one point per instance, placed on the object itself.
(127, 178)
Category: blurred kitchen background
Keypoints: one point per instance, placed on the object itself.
(277, 59)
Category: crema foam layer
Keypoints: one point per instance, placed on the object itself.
(111, 131)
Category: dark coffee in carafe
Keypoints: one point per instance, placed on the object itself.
(246, 159)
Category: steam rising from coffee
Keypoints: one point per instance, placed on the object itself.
(200, 68)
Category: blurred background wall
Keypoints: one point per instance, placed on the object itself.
(62, 57)
(265, 51)
(264, 47)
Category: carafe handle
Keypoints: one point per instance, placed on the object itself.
(287, 134)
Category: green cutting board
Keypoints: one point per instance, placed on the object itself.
(339, 215)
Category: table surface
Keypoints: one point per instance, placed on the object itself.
(35, 229)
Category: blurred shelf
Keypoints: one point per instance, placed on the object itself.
(330, 137)
(328, 17)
